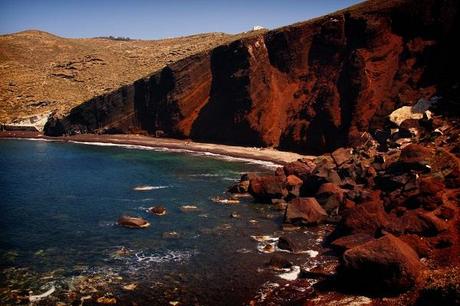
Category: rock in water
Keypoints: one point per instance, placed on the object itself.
(265, 188)
(305, 211)
(133, 222)
(189, 208)
(157, 210)
(279, 262)
(287, 244)
(387, 263)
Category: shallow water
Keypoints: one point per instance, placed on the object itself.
(60, 203)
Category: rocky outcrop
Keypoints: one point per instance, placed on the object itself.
(309, 87)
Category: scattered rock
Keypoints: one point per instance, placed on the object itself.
(158, 210)
(418, 111)
(129, 287)
(107, 300)
(330, 197)
(288, 227)
(293, 185)
(235, 215)
(170, 235)
(221, 200)
(189, 208)
(287, 244)
(267, 248)
(300, 168)
(133, 222)
(243, 185)
(342, 155)
(279, 262)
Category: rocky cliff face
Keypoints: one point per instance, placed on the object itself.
(309, 87)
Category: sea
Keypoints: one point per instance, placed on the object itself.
(60, 241)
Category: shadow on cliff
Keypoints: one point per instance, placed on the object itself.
(223, 118)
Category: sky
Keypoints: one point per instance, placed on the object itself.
(142, 19)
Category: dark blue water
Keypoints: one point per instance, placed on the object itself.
(58, 212)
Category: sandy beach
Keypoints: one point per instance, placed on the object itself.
(261, 154)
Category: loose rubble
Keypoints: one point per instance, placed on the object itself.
(394, 201)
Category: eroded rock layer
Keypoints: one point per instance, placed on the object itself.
(309, 87)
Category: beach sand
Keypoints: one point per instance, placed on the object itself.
(261, 154)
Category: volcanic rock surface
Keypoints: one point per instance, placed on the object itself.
(309, 87)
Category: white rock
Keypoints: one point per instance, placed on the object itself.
(257, 28)
(416, 111)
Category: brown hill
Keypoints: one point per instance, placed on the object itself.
(41, 72)
(308, 87)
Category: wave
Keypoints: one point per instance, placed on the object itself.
(206, 175)
(168, 256)
(265, 164)
(148, 187)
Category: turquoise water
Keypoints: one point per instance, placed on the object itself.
(60, 203)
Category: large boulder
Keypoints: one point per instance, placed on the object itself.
(306, 211)
(386, 264)
(243, 185)
(265, 188)
(368, 217)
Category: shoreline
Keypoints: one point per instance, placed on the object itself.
(251, 153)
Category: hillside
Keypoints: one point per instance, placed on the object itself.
(41, 72)
(309, 87)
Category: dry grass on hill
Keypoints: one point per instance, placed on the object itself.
(41, 72)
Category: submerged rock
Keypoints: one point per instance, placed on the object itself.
(287, 244)
(170, 235)
(189, 208)
(221, 200)
(133, 222)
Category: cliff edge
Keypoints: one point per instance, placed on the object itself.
(310, 87)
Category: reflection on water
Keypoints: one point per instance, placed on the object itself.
(59, 207)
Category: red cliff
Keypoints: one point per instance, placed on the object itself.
(309, 87)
